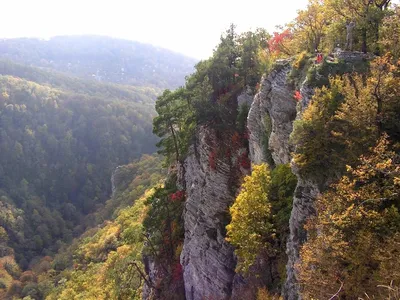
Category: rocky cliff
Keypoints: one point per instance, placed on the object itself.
(207, 259)
(271, 116)
(270, 123)
(211, 176)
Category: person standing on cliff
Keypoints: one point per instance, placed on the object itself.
(349, 37)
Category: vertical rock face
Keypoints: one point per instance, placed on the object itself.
(275, 104)
(303, 207)
(114, 179)
(207, 259)
(274, 100)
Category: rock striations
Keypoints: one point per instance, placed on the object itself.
(273, 102)
(207, 259)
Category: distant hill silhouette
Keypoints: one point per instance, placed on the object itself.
(102, 58)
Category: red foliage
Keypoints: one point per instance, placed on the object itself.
(177, 272)
(244, 161)
(275, 44)
(236, 140)
(319, 58)
(212, 160)
(177, 196)
(297, 95)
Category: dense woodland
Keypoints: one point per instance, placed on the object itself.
(60, 154)
(58, 151)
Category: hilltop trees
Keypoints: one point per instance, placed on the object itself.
(209, 96)
(174, 123)
(367, 16)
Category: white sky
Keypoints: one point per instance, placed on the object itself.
(189, 27)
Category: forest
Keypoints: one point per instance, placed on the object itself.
(68, 232)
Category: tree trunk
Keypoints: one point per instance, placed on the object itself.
(364, 48)
(175, 141)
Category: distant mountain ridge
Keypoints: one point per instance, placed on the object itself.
(102, 58)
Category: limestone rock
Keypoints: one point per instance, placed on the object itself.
(303, 207)
(207, 259)
(274, 99)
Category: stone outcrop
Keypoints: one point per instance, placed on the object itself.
(207, 259)
(275, 104)
(115, 180)
(352, 56)
(274, 100)
(303, 207)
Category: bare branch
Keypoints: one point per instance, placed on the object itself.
(337, 293)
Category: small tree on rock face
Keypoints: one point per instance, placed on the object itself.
(250, 227)
(173, 123)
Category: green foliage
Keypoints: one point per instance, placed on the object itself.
(283, 183)
(146, 172)
(300, 66)
(265, 140)
(61, 81)
(335, 128)
(260, 218)
(250, 65)
(241, 120)
(107, 262)
(210, 94)
(58, 151)
(344, 120)
(174, 124)
(319, 75)
(163, 224)
(31, 290)
(390, 32)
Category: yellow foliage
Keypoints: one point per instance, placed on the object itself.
(116, 276)
(250, 228)
(263, 294)
(353, 241)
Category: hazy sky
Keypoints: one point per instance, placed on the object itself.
(190, 27)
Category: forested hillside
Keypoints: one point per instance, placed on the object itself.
(61, 138)
(103, 258)
(282, 154)
(103, 59)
